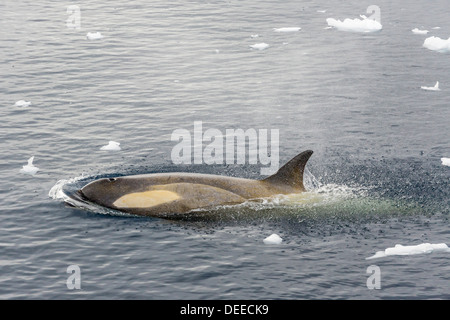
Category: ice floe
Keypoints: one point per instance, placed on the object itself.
(418, 31)
(445, 161)
(112, 146)
(437, 44)
(259, 46)
(22, 103)
(254, 36)
(94, 36)
(29, 168)
(287, 29)
(273, 239)
(400, 250)
(355, 25)
(435, 88)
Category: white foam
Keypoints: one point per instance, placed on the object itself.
(400, 250)
(437, 44)
(418, 31)
(259, 46)
(112, 146)
(445, 161)
(355, 25)
(435, 88)
(287, 29)
(29, 168)
(273, 239)
(94, 36)
(22, 103)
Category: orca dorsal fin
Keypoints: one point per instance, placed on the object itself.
(291, 173)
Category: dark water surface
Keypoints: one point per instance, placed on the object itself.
(375, 178)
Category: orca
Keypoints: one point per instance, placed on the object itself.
(165, 194)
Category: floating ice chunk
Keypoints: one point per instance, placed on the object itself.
(112, 146)
(355, 25)
(418, 31)
(321, 11)
(437, 44)
(435, 88)
(259, 46)
(445, 161)
(273, 239)
(411, 250)
(22, 103)
(254, 36)
(436, 28)
(29, 168)
(94, 36)
(288, 29)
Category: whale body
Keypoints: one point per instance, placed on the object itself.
(165, 194)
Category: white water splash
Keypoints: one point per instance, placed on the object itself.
(57, 193)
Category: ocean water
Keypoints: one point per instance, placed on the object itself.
(375, 179)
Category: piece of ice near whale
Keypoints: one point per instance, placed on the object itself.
(355, 25)
(94, 36)
(29, 168)
(435, 88)
(445, 161)
(411, 250)
(437, 44)
(112, 146)
(287, 29)
(418, 31)
(273, 239)
(22, 103)
(254, 36)
(259, 46)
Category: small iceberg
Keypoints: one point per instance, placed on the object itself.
(437, 44)
(355, 25)
(418, 31)
(259, 46)
(445, 161)
(400, 250)
(288, 29)
(29, 168)
(273, 239)
(94, 36)
(22, 103)
(112, 146)
(435, 88)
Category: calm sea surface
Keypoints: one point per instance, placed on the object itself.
(375, 179)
